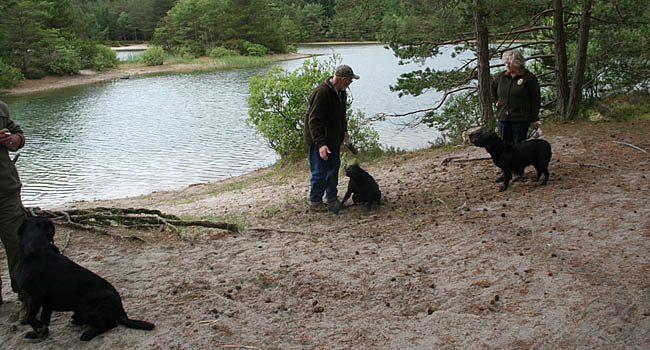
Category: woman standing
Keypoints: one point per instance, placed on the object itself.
(517, 97)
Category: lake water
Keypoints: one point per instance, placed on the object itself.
(135, 136)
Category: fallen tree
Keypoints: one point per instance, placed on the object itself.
(100, 219)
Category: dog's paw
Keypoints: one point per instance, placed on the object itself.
(31, 335)
(503, 188)
(42, 333)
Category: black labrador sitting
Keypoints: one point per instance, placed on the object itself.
(362, 187)
(52, 282)
(514, 158)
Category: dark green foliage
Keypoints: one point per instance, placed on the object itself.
(278, 103)
(104, 58)
(256, 50)
(465, 109)
(220, 52)
(9, 76)
(153, 56)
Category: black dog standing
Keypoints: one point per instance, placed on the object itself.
(52, 282)
(514, 158)
(362, 187)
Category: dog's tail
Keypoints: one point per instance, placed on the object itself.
(135, 323)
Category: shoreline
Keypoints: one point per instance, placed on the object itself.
(124, 71)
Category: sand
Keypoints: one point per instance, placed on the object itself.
(447, 262)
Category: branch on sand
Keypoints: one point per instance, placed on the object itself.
(630, 145)
(100, 219)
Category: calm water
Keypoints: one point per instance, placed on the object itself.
(136, 136)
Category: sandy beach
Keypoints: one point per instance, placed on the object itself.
(446, 262)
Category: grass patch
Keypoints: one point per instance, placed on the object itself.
(635, 105)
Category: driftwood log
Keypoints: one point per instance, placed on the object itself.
(101, 219)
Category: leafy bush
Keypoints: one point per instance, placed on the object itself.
(87, 51)
(256, 50)
(9, 76)
(191, 50)
(238, 45)
(153, 56)
(104, 58)
(62, 60)
(278, 103)
(221, 52)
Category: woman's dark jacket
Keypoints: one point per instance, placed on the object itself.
(325, 122)
(518, 98)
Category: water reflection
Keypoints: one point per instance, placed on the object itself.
(135, 136)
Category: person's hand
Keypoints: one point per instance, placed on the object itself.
(537, 124)
(5, 137)
(323, 151)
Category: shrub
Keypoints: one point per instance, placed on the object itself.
(104, 58)
(193, 49)
(153, 56)
(256, 50)
(62, 60)
(238, 45)
(220, 52)
(9, 76)
(278, 103)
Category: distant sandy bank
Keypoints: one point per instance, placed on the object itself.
(89, 76)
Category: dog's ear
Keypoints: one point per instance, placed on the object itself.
(50, 230)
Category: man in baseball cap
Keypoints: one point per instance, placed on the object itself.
(326, 127)
(346, 72)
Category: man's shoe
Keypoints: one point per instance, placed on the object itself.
(319, 208)
(334, 206)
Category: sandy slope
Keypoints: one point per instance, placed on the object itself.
(447, 262)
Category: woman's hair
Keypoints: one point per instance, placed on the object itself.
(514, 57)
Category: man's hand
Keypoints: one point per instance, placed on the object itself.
(6, 139)
(323, 151)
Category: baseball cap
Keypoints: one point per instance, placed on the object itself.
(346, 72)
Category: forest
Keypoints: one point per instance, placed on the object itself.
(580, 49)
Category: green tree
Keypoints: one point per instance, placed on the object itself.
(278, 103)
(22, 31)
(360, 19)
(9, 76)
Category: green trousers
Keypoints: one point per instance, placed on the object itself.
(12, 216)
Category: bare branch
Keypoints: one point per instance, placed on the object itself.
(379, 116)
(630, 145)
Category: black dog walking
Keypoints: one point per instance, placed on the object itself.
(52, 282)
(514, 158)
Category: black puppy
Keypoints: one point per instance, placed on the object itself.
(515, 158)
(52, 282)
(362, 187)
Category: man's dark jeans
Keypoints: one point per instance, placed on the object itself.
(324, 175)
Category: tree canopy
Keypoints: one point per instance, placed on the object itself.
(581, 50)
(585, 58)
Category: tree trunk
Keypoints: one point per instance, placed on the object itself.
(581, 61)
(483, 67)
(561, 74)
